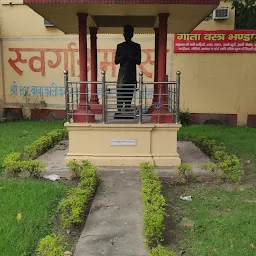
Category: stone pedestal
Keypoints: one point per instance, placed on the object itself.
(124, 144)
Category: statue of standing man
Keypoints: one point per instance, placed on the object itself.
(128, 55)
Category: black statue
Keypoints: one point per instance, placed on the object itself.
(128, 55)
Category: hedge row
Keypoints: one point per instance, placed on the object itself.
(71, 210)
(44, 143)
(225, 166)
(154, 210)
(15, 163)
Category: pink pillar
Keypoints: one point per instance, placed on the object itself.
(155, 95)
(83, 113)
(165, 117)
(94, 101)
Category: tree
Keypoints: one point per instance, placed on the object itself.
(245, 13)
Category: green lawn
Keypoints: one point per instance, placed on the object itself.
(220, 218)
(15, 135)
(35, 200)
(238, 140)
(224, 221)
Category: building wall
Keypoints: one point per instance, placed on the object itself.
(213, 85)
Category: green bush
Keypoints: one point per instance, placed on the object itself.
(231, 168)
(186, 172)
(225, 167)
(160, 251)
(72, 209)
(15, 163)
(185, 117)
(154, 205)
(34, 167)
(52, 245)
(57, 135)
(44, 143)
(75, 168)
(12, 164)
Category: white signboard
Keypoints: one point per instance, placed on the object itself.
(121, 142)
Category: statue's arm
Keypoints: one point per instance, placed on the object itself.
(118, 58)
(138, 56)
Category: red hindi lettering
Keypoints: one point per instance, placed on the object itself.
(72, 52)
(13, 62)
(41, 60)
(108, 63)
(146, 62)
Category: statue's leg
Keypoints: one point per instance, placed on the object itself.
(119, 95)
(129, 95)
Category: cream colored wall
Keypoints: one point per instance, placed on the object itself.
(211, 83)
(220, 24)
(19, 21)
(217, 83)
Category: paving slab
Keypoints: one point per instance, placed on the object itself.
(191, 154)
(114, 224)
(55, 159)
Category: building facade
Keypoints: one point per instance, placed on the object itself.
(217, 82)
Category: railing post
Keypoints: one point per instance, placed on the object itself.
(140, 96)
(178, 73)
(77, 97)
(72, 99)
(66, 95)
(86, 103)
(168, 93)
(103, 81)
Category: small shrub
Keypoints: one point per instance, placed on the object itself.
(225, 167)
(42, 144)
(186, 172)
(56, 135)
(160, 251)
(72, 208)
(12, 164)
(76, 168)
(185, 117)
(154, 205)
(231, 168)
(38, 147)
(35, 168)
(214, 169)
(52, 245)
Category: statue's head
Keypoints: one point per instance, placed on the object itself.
(128, 32)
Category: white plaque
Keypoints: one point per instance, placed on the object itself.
(121, 142)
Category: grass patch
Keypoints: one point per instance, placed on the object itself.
(16, 135)
(220, 220)
(37, 203)
(237, 140)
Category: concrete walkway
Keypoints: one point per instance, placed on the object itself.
(114, 224)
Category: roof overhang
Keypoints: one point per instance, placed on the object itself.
(111, 15)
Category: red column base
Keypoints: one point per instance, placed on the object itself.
(80, 116)
(95, 107)
(161, 116)
(151, 108)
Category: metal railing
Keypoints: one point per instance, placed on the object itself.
(136, 103)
